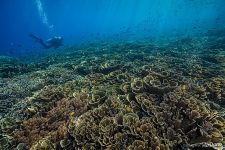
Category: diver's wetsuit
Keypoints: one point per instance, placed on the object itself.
(54, 42)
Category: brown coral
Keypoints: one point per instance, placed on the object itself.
(53, 125)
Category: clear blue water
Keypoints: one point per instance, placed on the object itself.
(87, 20)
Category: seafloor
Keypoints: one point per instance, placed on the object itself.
(116, 95)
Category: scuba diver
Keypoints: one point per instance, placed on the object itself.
(53, 42)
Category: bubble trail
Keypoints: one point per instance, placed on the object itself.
(43, 15)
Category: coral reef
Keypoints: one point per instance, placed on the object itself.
(134, 96)
(10, 66)
(216, 91)
(52, 124)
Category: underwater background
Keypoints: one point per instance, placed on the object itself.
(85, 20)
(112, 74)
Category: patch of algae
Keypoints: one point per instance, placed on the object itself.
(131, 96)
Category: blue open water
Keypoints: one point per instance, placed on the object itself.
(87, 20)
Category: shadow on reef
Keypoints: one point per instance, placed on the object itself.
(132, 96)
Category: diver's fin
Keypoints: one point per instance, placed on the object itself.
(35, 37)
(39, 40)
